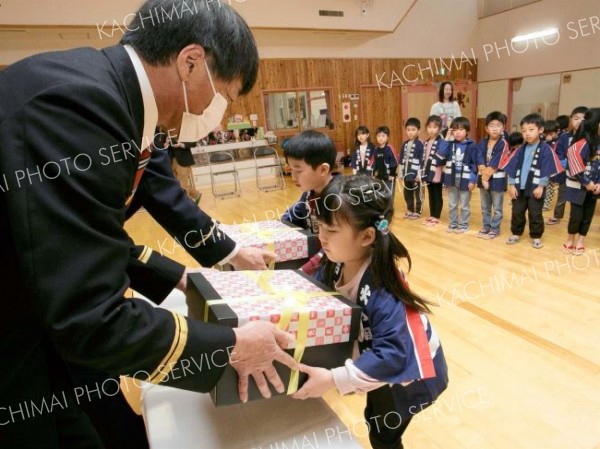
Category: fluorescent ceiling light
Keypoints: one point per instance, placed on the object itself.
(535, 35)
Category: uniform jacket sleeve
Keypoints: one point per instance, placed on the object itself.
(73, 249)
(152, 274)
(161, 195)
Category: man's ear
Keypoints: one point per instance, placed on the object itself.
(368, 236)
(190, 58)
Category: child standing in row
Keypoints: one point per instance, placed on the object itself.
(529, 170)
(550, 137)
(384, 160)
(491, 180)
(460, 174)
(401, 365)
(432, 169)
(363, 151)
(583, 182)
(564, 142)
(411, 156)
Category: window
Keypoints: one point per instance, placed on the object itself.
(297, 110)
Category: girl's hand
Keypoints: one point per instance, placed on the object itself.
(512, 192)
(538, 192)
(597, 190)
(591, 186)
(320, 380)
(486, 185)
(471, 187)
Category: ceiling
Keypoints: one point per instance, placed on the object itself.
(358, 15)
(46, 25)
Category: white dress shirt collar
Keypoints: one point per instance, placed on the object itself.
(150, 108)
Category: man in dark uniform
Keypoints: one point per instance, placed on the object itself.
(76, 129)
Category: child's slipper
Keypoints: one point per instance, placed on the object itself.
(483, 233)
(513, 239)
(492, 235)
(579, 251)
(537, 244)
(567, 249)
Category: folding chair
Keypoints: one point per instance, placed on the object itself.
(339, 161)
(223, 173)
(269, 174)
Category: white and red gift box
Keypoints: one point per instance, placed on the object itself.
(330, 321)
(292, 246)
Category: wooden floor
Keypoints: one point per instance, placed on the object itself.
(520, 329)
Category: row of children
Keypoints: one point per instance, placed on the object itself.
(402, 368)
(530, 165)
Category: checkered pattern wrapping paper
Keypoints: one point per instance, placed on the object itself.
(329, 318)
(289, 244)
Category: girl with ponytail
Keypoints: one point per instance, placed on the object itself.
(399, 361)
(583, 180)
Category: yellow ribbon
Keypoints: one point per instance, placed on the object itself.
(297, 302)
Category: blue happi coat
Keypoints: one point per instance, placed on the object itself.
(583, 168)
(432, 161)
(411, 160)
(491, 159)
(544, 165)
(398, 345)
(459, 164)
(363, 167)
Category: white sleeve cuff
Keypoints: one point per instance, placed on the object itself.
(349, 379)
(231, 255)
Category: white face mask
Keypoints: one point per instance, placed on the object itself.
(196, 127)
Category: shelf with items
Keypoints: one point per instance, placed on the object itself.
(243, 156)
(239, 126)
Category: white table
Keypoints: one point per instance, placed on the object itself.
(186, 420)
(199, 149)
(246, 168)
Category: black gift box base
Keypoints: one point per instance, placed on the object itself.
(326, 356)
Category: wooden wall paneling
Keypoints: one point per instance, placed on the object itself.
(345, 76)
(417, 101)
(382, 107)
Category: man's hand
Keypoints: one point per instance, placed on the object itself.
(320, 380)
(512, 192)
(471, 186)
(591, 186)
(182, 284)
(252, 259)
(538, 192)
(485, 184)
(258, 344)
